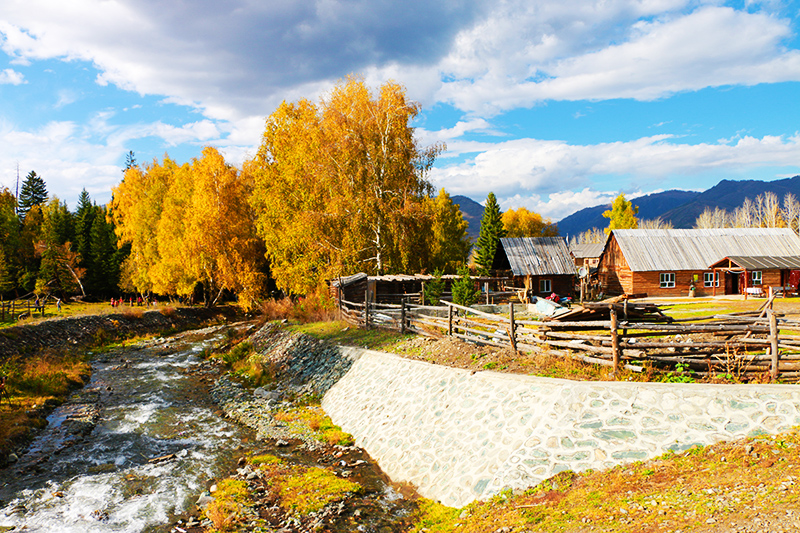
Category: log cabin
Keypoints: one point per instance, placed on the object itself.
(541, 264)
(586, 255)
(671, 262)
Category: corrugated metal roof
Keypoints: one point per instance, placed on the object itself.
(587, 250)
(764, 263)
(696, 249)
(537, 256)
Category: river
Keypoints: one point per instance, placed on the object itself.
(95, 467)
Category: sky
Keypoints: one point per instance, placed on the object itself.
(552, 105)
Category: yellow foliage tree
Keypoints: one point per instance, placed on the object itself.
(524, 223)
(340, 187)
(449, 244)
(189, 224)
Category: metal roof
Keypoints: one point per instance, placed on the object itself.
(538, 256)
(763, 262)
(587, 250)
(696, 249)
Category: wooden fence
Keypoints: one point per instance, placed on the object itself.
(12, 310)
(739, 345)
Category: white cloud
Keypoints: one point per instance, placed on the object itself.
(10, 76)
(524, 171)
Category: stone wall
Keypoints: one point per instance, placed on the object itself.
(459, 436)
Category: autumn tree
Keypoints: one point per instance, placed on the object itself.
(340, 186)
(524, 223)
(9, 240)
(655, 223)
(449, 243)
(622, 215)
(589, 236)
(33, 192)
(712, 218)
(135, 210)
(492, 230)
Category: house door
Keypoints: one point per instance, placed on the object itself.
(732, 283)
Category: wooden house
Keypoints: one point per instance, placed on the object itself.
(542, 264)
(586, 255)
(670, 262)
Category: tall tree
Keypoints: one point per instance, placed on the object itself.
(9, 239)
(103, 262)
(338, 187)
(130, 161)
(524, 223)
(491, 232)
(590, 236)
(622, 215)
(59, 271)
(449, 243)
(33, 192)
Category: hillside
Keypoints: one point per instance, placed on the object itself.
(650, 206)
(729, 195)
(473, 212)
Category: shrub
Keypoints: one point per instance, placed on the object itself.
(464, 290)
(434, 288)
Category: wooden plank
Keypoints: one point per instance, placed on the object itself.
(479, 313)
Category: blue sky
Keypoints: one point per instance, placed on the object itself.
(552, 105)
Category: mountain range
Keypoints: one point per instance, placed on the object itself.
(679, 207)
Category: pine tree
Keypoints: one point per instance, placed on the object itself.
(84, 219)
(491, 232)
(103, 256)
(34, 192)
(464, 290)
(130, 161)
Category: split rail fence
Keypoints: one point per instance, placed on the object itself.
(740, 344)
(14, 309)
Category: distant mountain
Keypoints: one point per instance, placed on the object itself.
(650, 206)
(729, 195)
(472, 212)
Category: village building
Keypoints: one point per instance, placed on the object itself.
(586, 255)
(543, 265)
(671, 262)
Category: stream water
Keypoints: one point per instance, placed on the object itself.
(96, 468)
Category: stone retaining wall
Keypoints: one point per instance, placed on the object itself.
(459, 436)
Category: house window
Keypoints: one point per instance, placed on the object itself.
(710, 279)
(544, 285)
(755, 277)
(666, 280)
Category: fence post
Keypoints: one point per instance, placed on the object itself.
(366, 309)
(450, 320)
(402, 316)
(773, 345)
(513, 331)
(486, 288)
(614, 338)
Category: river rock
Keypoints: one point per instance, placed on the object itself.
(266, 395)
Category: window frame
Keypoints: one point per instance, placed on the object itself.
(713, 282)
(548, 283)
(666, 280)
(759, 281)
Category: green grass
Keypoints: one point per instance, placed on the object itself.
(340, 332)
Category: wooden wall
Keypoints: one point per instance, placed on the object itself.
(613, 272)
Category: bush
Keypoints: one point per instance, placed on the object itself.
(464, 290)
(434, 288)
(316, 307)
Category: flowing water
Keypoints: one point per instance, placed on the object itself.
(82, 477)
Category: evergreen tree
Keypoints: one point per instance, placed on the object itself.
(464, 290)
(103, 257)
(34, 192)
(434, 289)
(85, 215)
(59, 271)
(622, 215)
(491, 232)
(130, 161)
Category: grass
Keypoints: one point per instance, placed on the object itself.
(722, 484)
(230, 500)
(340, 332)
(36, 381)
(311, 419)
